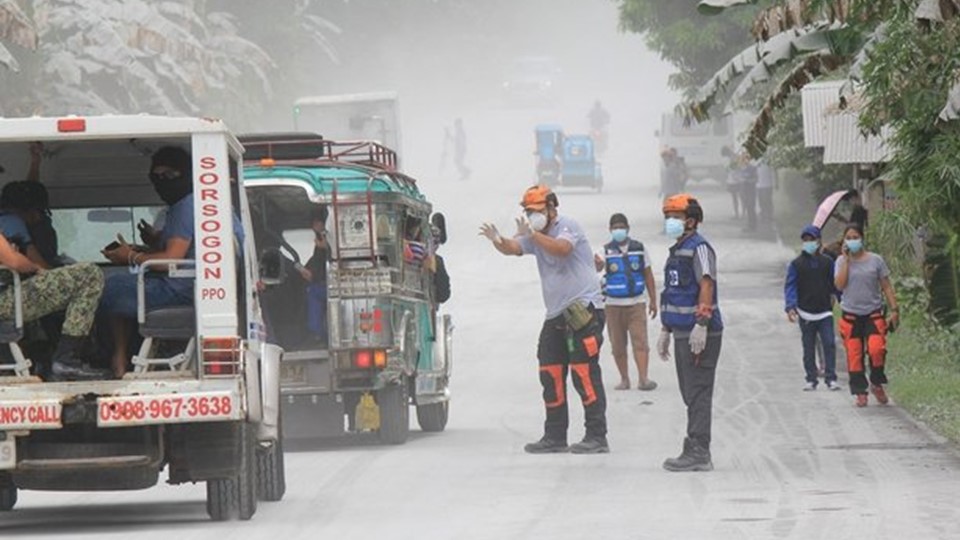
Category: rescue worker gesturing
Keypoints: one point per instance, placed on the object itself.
(573, 331)
(690, 315)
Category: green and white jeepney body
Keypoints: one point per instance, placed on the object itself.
(388, 346)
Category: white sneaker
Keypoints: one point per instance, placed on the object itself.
(832, 385)
(809, 386)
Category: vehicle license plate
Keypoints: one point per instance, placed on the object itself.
(293, 373)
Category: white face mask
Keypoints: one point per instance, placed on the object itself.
(538, 221)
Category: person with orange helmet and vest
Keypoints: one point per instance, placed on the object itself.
(572, 333)
(690, 316)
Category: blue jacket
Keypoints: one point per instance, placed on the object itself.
(809, 284)
(681, 294)
(624, 271)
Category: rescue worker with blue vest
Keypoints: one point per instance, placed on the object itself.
(691, 319)
(628, 275)
(572, 333)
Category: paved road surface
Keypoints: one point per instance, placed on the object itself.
(788, 464)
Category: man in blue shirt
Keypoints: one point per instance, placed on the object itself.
(572, 334)
(171, 173)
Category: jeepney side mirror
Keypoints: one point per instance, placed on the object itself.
(271, 267)
(440, 222)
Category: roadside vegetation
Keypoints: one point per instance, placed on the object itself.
(924, 364)
(899, 60)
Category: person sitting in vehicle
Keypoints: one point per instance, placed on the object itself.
(171, 173)
(74, 289)
(25, 215)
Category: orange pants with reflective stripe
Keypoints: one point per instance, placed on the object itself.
(864, 336)
(560, 351)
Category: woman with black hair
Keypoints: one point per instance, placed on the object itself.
(864, 279)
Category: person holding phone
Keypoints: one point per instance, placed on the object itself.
(170, 173)
(864, 279)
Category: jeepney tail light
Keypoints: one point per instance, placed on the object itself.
(363, 359)
(71, 125)
(221, 356)
(380, 358)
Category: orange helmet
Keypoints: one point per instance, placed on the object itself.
(536, 197)
(686, 204)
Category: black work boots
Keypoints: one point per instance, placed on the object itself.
(65, 366)
(695, 457)
(546, 445)
(589, 445)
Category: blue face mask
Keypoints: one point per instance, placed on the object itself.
(673, 227)
(619, 235)
(854, 245)
(811, 247)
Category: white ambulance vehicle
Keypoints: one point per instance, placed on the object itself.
(202, 399)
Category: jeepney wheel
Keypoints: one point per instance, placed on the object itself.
(271, 475)
(236, 497)
(8, 493)
(433, 417)
(394, 402)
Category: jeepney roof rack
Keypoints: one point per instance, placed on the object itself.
(304, 149)
(284, 146)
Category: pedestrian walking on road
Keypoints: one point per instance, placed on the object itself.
(627, 276)
(460, 149)
(809, 294)
(691, 318)
(671, 173)
(572, 334)
(766, 182)
(733, 179)
(748, 191)
(864, 279)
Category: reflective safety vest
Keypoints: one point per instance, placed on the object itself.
(681, 294)
(624, 271)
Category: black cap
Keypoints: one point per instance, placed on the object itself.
(619, 219)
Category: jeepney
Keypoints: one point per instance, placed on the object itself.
(388, 344)
(202, 398)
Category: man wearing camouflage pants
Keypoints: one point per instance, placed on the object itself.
(75, 288)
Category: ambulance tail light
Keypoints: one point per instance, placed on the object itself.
(221, 356)
(72, 125)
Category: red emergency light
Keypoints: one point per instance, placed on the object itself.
(71, 125)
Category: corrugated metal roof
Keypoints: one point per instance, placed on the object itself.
(817, 97)
(844, 143)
